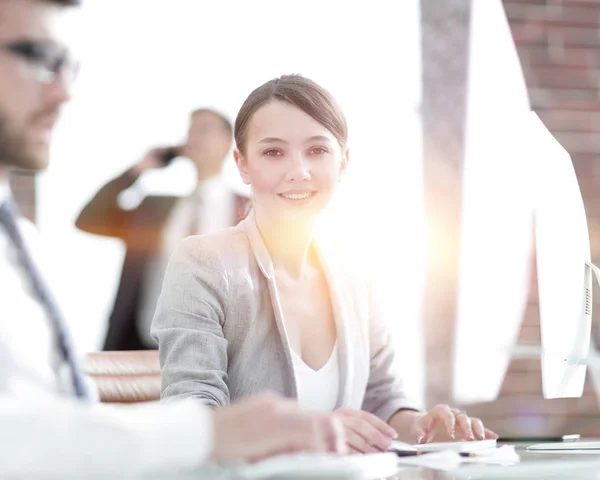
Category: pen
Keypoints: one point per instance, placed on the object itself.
(406, 453)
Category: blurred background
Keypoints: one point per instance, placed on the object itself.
(437, 203)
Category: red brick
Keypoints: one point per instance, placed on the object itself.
(534, 405)
(522, 384)
(558, 76)
(579, 142)
(592, 4)
(544, 55)
(532, 316)
(528, 33)
(524, 365)
(567, 98)
(587, 167)
(570, 120)
(593, 224)
(582, 426)
(566, 15)
(538, 33)
(521, 2)
(529, 334)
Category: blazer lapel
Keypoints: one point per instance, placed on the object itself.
(340, 314)
(263, 259)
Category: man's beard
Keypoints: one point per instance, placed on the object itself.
(16, 151)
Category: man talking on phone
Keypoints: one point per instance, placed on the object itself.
(152, 230)
(49, 423)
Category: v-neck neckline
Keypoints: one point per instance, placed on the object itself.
(265, 265)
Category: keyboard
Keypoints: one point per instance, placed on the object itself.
(323, 466)
(461, 447)
(579, 445)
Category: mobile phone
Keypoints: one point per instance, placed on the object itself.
(169, 153)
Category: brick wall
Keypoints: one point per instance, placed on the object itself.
(559, 46)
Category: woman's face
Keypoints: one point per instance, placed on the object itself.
(292, 162)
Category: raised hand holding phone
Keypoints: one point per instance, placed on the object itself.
(157, 157)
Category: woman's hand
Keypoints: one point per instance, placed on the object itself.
(365, 433)
(443, 424)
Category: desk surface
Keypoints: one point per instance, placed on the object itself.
(533, 465)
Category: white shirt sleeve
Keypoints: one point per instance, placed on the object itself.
(63, 437)
(45, 432)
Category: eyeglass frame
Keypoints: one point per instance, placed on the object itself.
(46, 59)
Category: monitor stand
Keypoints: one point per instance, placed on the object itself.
(592, 361)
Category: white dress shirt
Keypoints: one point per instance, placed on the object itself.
(317, 389)
(43, 429)
(209, 209)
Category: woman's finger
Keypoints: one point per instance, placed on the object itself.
(375, 422)
(443, 414)
(478, 428)
(466, 426)
(418, 432)
(369, 433)
(359, 443)
(490, 434)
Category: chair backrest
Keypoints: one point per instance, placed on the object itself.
(125, 377)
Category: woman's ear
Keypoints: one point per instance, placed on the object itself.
(242, 166)
(344, 163)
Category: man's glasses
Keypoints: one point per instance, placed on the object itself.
(45, 60)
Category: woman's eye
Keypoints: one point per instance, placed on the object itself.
(319, 151)
(272, 153)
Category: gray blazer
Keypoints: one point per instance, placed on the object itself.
(221, 335)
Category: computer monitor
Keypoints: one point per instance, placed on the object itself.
(486, 338)
(517, 180)
(564, 269)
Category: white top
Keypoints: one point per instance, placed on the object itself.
(43, 429)
(318, 389)
(213, 205)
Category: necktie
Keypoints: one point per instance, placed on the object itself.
(8, 221)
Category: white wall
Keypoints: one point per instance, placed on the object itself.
(147, 63)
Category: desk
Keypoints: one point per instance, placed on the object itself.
(533, 465)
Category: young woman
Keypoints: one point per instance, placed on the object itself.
(261, 307)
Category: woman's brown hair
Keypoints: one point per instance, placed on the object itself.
(301, 92)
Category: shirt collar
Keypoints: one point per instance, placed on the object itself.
(211, 187)
(5, 192)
